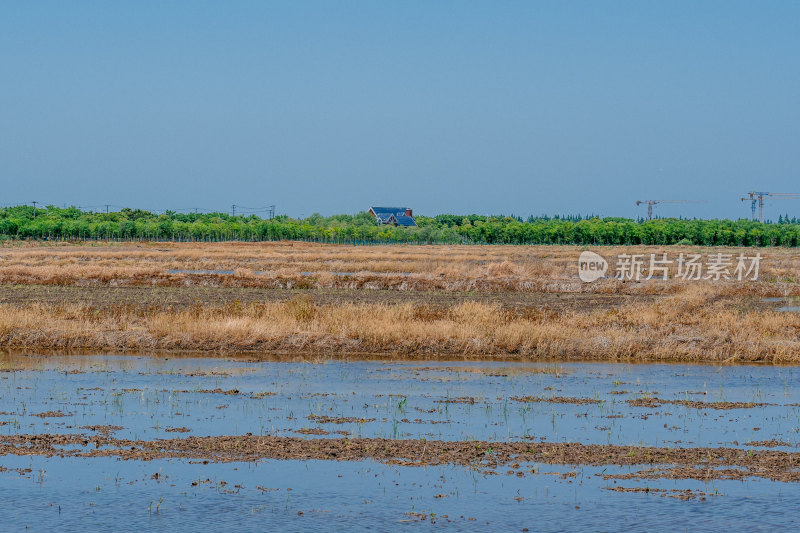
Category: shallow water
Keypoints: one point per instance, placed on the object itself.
(152, 398)
(443, 401)
(71, 494)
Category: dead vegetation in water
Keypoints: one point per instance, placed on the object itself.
(656, 402)
(311, 431)
(325, 419)
(680, 494)
(459, 399)
(555, 399)
(772, 443)
(105, 430)
(491, 371)
(51, 414)
(231, 392)
(702, 464)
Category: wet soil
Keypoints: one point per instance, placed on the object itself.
(658, 402)
(673, 463)
(772, 443)
(182, 297)
(555, 399)
(50, 414)
(105, 430)
(685, 495)
(325, 419)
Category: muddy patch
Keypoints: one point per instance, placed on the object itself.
(655, 402)
(555, 399)
(675, 463)
(325, 419)
(104, 430)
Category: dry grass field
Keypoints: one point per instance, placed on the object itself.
(551, 269)
(511, 302)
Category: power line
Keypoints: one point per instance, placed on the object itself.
(106, 209)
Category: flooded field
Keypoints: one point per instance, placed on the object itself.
(383, 445)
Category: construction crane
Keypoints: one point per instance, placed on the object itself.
(651, 203)
(756, 197)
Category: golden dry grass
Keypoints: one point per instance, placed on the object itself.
(678, 320)
(681, 327)
(304, 265)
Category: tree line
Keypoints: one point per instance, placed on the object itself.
(53, 223)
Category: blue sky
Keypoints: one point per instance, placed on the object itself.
(447, 106)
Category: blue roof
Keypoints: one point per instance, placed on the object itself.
(389, 210)
(393, 215)
(403, 220)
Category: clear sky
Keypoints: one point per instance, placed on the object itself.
(445, 106)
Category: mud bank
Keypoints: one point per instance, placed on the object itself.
(674, 463)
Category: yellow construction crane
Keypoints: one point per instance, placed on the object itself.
(651, 203)
(756, 197)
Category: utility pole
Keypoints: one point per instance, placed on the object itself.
(233, 210)
(107, 212)
(34, 210)
(271, 212)
(651, 203)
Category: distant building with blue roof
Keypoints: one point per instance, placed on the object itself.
(398, 216)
